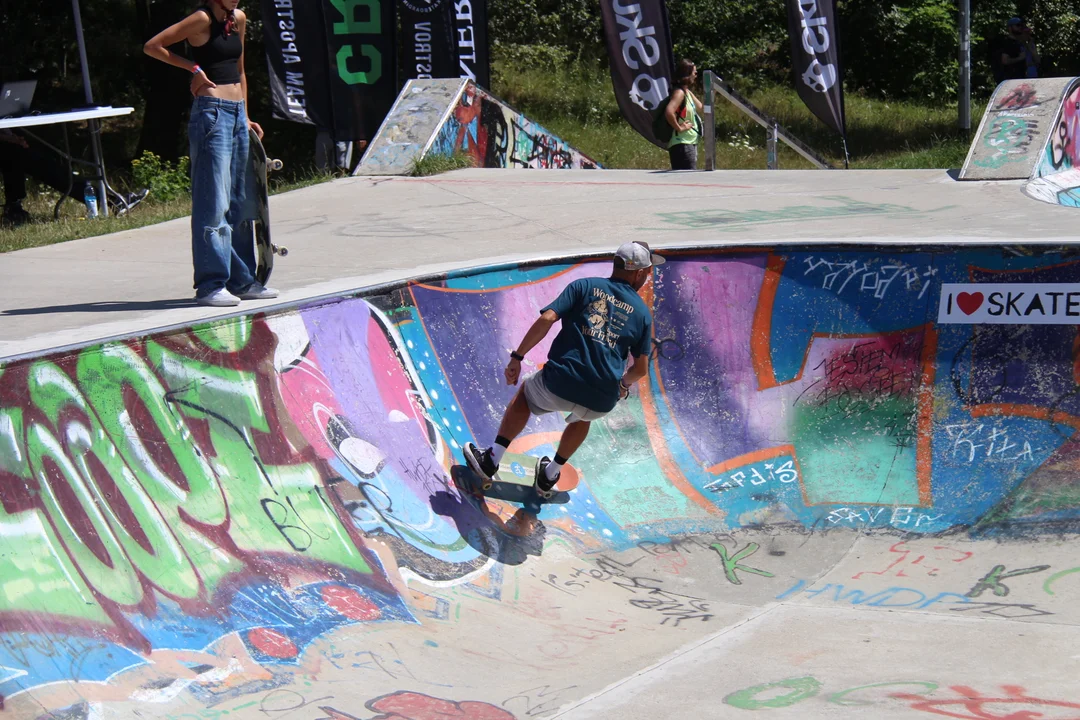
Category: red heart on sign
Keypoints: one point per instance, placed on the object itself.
(969, 302)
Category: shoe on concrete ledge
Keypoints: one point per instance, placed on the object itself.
(258, 292)
(219, 298)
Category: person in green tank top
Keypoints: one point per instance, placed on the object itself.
(682, 114)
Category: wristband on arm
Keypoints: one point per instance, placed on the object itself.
(195, 70)
(514, 354)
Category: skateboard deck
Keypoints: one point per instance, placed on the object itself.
(258, 204)
(514, 481)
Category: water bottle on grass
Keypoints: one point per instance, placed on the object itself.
(90, 198)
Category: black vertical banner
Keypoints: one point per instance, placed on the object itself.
(815, 60)
(639, 51)
(295, 40)
(362, 46)
(471, 23)
(429, 39)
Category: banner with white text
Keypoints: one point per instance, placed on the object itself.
(295, 40)
(639, 52)
(429, 39)
(815, 59)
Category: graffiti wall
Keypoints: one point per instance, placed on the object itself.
(1019, 122)
(496, 136)
(1059, 165)
(229, 496)
(1063, 152)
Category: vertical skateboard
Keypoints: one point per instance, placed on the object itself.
(515, 481)
(258, 206)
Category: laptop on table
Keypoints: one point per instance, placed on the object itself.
(15, 98)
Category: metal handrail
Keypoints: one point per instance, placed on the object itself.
(715, 85)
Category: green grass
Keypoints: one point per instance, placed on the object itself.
(435, 164)
(575, 101)
(73, 223)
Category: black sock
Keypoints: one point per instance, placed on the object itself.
(554, 468)
(499, 448)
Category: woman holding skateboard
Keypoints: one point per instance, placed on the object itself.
(222, 246)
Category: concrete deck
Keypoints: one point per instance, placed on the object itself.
(358, 232)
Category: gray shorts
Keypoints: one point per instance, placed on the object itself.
(541, 400)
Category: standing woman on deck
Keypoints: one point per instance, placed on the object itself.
(683, 112)
(222, 246)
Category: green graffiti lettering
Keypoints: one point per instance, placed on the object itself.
(1057, 576)
(992, 580)
(103, 375)
(226, 336)
(800, 689)
(112, 575)
(12, 458)
(731, 562)
(124, 494)
(37, 576)
(352, 26)
(35, 573)
(159, 557)
(370, 77)
(841, 698)
(274, 508)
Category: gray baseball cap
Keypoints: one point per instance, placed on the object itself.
(637, 255)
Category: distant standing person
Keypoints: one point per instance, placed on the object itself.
(1019, 58)
(222, 246)
(682, 114)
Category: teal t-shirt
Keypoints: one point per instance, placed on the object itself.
(603, 321)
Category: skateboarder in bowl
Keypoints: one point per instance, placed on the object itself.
(604, 321)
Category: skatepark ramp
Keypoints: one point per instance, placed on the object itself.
(833, 496)
(1020, 124)
(444, 116)
(1056, 178)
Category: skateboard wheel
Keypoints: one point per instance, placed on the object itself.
(282, 251)
(486, 486)
(276, 164)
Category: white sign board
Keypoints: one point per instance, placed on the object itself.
(1010, 304)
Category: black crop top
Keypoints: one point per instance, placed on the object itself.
(219, 57)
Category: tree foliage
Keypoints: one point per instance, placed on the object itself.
(891, 50)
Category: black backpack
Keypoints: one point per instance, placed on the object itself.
(660, 126)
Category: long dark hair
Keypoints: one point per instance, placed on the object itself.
(683, 72)
(230, 17)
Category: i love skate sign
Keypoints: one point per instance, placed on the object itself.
(1010, 303)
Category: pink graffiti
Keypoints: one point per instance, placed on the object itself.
(417, 706)
(910, 560)
(972, 705)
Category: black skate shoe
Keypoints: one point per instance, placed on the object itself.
(480, 462)
(544, 486)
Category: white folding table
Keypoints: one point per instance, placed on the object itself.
(91, 115)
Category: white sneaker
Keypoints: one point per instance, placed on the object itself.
(219, 298)
(258, 292)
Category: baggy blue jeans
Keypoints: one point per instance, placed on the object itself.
(222, 246)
